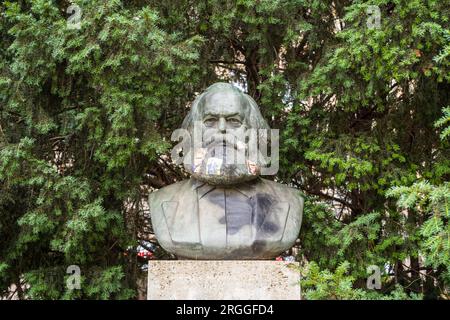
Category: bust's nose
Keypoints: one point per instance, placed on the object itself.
(222, 125)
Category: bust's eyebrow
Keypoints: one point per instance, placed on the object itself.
(233, 114)
(208, 113)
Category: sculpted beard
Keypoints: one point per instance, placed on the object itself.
(221, 159)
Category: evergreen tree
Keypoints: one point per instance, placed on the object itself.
(87, 110)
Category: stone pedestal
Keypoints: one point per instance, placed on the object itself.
(220, 280)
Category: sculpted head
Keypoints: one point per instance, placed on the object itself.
(218, 122)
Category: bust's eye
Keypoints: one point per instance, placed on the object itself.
(234, 121)
(210, 121)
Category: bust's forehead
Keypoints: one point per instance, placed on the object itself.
(223, 103)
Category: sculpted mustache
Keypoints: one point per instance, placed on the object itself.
(220, 139)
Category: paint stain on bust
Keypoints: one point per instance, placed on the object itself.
(243, 211)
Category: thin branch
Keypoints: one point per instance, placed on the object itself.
(327, 196)
(227, 62)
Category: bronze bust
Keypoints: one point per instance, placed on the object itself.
(225, 210)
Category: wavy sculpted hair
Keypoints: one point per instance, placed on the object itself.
(253, 117)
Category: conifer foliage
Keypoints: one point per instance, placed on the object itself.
(91, 90)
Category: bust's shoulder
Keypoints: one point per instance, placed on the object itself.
(296, 203)
(169, 192)
(283, 191)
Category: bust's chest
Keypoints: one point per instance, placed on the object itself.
(231, 222)
(210, 222)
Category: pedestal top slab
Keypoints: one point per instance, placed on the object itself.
(221, 280)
